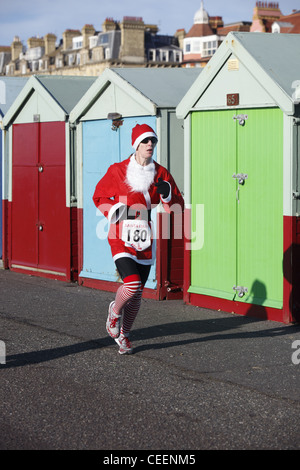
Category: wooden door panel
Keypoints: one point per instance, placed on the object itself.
(260, 207)
(54, 217)
(24, 217)
(24, 195)
(213, 245)
(40, 218)
(101, 148)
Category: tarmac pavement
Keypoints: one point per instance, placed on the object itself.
(198, 379)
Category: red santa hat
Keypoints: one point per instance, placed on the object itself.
(140, 132)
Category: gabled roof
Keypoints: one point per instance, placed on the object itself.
(272, 59)
(64, 92)
(67, 91)
(10, 88)
(152, 87)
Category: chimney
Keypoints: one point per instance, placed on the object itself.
(68, 35)
(35, 42)
(87, 31)
(16, 48)
(50, 40)
(132, 40)
(110, 25)
(180, 35)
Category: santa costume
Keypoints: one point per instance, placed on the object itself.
(125, 195)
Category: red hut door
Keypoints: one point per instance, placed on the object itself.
(40, 220)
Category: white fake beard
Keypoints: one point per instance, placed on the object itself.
(139, 178)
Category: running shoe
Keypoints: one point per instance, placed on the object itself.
(113, 322)
(125, 345)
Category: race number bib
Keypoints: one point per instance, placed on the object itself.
(137, 234)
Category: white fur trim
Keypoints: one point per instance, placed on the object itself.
(139, 178)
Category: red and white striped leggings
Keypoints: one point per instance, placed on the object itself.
(129, 295)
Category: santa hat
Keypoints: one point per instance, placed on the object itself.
(140, 132)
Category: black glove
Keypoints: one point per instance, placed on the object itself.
(163, 188)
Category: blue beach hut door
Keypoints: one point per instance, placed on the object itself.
(101, 147)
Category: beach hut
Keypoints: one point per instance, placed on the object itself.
(10, 87)
(241, 121)
(40, 204)
(105, 116)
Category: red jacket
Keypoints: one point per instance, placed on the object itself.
(113, 191)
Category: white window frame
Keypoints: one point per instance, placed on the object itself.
(188, 44)
(77, 42)
(209, 47)
(153, 53)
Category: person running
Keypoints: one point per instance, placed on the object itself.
(125, 195)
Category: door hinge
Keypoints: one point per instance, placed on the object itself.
(241, 290)
(296, 195)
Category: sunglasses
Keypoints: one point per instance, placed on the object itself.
(152, 139)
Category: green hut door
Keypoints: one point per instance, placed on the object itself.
(237, 179)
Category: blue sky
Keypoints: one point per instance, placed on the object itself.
(27, 18)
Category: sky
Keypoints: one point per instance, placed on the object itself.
(28, 18)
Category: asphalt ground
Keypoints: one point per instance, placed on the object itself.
(198, 379)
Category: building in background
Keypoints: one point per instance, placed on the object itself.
(264, 15)
(88, 52)
(205, 36)
(267, 18)
(132, 43)
(5, 56)
(288, 24)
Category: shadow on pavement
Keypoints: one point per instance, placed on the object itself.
(195, 331)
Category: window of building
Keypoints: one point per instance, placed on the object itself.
(152, 55)
(178, 56)
(34, 53)
(93, 41)
(9, 70)
(59, 62)
(187, 47)
(77, 42)
(34, 65)
(196, 46)
(103, 39)
(164, 56)
(209, 48)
